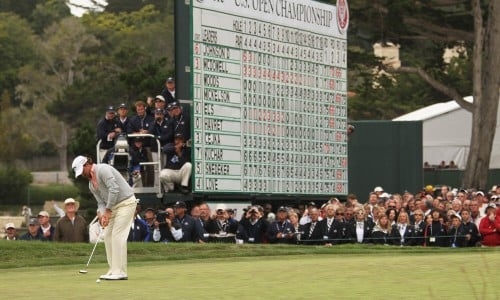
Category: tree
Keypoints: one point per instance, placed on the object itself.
(486, 83)
(48, 12)
(16, 50)
(60, 49)
(134, 58)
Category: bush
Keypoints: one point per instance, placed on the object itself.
(38, 194)
(13, 182)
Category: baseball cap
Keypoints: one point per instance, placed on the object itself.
(480, 193)
(179, 135)
(44, 214)
(220, 207)
(160, 97)
(491, 205)
(159, 111)
(170, 79)
(180, 204)
(110, 109)
(282, 208)
(33, 221)
(9, 225)
(77, 165)
(378, 189)
(455, 215)
(172, 105)
(149, 209)
(123, 105)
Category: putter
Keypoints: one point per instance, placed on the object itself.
(84, 271)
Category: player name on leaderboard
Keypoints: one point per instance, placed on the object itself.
(269, 97)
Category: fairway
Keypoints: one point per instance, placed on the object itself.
(411, 276)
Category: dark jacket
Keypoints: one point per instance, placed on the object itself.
(76, 232)
(52, 231)
(380, 237)
(168, 97)
(254, 234)
(105, 127)
(182, 125)
(313, 233)
(402, 240)
(163, 132)
(457, 237)
(139, 232)
(122, 125)
(28, 237)
(216, 227)
(174, 161)
(367, 231)
(285, 227)
(338, 233)
(418, 237)
(435, 235)
(137, 123)
(471, 228)
(191, 229)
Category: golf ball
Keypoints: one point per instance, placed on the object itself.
(98, 281)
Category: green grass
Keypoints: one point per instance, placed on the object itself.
(219, 271)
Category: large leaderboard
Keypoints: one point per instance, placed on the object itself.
(269, 90)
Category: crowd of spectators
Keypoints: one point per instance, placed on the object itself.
(161, 120)
(441, 218)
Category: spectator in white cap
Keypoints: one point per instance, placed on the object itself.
(482, 201)
(10, 232)
(155, 103)
(457, 232)
(46, 229)
(116, 208)
(71, 228)
(378, 190)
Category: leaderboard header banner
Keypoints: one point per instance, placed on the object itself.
(269, 90)
(306, 14)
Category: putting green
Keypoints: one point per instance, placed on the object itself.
(436, 276)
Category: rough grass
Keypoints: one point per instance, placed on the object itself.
(221, 271)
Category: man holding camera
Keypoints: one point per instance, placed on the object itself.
(252, 228)
(165, 228)
(219, 228)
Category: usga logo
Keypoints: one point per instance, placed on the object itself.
(342, 15)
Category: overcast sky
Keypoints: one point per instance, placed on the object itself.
(79, 11)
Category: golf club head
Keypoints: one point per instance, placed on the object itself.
(83, 271)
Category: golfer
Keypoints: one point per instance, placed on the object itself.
(116, 207)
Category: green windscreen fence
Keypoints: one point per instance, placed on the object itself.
(386, 154)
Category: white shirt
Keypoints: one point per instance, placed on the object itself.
(360, 231)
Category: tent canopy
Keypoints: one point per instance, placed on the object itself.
(446, 131)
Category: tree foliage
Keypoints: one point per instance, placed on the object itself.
(16, 50)
(12, 182)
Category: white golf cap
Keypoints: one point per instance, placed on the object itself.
(69, 200)
(44, 213)
(378, 189)
(77, 165)
(9, 225)
(220, 207)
